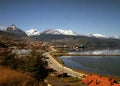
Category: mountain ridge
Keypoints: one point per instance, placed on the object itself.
(15, 30)
(33, 32)
(56, 36)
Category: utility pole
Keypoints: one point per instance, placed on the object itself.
(62, 71)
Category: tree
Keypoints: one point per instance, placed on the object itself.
(9, 59)
(35, 64)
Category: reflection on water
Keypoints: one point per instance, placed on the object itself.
(109, 65)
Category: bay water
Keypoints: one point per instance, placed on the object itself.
(106, 65)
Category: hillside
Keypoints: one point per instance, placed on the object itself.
(62, 37)
(7, 36)
(92, 42)
(15, 30)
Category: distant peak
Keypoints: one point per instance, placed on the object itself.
(102, 36)
(13, 26)
(32, 32)
(15, 30)
(96, 35)
(60, 31)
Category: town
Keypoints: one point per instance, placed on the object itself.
(24, 56)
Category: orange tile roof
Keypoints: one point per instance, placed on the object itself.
(95, 80)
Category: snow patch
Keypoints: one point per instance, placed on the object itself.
(32, 32)
(96, 35)
(60, 31)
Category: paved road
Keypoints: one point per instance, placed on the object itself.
(52, 63)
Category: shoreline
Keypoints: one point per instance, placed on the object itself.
(68, 54)
(87, 72)
(60, 67)
(80, 73)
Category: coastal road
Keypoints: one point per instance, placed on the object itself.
(52, 63)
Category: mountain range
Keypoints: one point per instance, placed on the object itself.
(33, 32)
(59, 36)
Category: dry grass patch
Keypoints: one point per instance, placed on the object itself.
(10, 77)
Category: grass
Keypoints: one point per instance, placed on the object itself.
(71, 79)
(9, 77)
(64, 81)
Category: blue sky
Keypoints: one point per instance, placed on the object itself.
(81, 16)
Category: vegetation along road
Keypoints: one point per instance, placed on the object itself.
(59, 67)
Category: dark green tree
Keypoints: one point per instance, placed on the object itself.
(35, 64)
(10, 60)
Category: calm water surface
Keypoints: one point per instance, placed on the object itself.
(107, 65)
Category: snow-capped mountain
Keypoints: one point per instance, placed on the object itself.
(32, 32)
(59, 32)
(67, 32)
(97, 35)
(2, 28)
(102, 36)
(15, 30)
(116, 37)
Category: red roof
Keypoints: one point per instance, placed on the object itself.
(95, 80)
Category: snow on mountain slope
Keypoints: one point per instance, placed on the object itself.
(3, 28)
(102, 36)
(97, 35)
(67, 32)
(60, 31)
(15, 30)
(51, 31)
(116, 37)
(32, 32)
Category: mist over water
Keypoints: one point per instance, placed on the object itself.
(106, 65)
(102, 51)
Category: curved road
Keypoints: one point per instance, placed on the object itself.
(52, 63)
